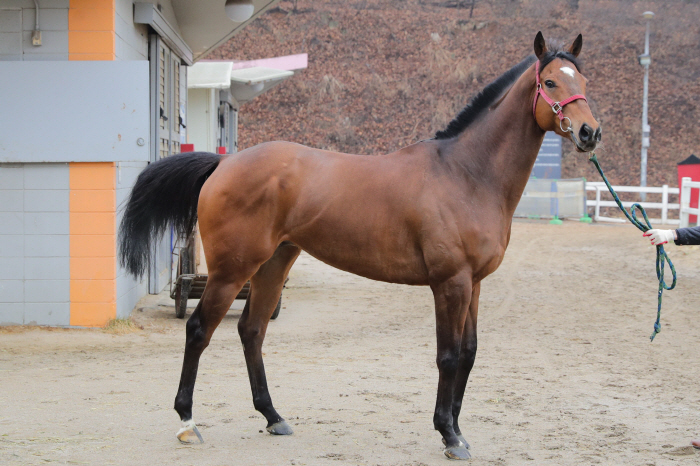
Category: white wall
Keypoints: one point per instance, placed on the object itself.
(34, 244)
(17, 21)
(74, 111)
(131, 41)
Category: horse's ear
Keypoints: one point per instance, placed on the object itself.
(575, 47)
(540, 46)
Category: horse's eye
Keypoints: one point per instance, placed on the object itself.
(550, 84)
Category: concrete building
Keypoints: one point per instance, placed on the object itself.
(91, 91)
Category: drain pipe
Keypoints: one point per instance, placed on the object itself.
(36, 34)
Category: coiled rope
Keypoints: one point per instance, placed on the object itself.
(661, 256)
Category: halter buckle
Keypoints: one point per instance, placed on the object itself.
(556, 108)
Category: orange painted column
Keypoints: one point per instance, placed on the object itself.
(93, 264)
(91, 33)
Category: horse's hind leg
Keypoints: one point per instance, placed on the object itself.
(216, 300)
(467, 355)
(265, 290)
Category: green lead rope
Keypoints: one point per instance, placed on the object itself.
(661, 256)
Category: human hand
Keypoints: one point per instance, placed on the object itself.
(659, 237)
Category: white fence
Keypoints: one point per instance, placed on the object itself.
(600, 190)
(685, 210)
(544, 198)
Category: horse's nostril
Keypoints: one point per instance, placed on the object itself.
(585, 133)
(598, 135)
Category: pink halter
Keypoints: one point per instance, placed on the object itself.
(557, 107)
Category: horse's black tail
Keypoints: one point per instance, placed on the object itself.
(165, 193)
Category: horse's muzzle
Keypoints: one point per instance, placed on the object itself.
(588, 138)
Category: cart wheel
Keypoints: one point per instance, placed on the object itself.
(277, 309)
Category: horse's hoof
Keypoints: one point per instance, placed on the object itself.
(462, 440)
(458, 452)
(280, 428)
(189, 434)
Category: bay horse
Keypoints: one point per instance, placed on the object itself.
(435, 213)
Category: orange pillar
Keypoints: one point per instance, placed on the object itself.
(91, 33)
(93, 265)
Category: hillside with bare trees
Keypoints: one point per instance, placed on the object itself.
(383, 74)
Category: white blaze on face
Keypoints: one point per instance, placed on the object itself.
(568, 70)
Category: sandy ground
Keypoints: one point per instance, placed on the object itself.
(565, 373)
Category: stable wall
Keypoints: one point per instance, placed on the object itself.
(61, 179)
(17, 21)
(35, 244)
(58, 234)
(75, 29)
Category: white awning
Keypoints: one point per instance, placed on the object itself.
(209, 75)
(258, 74)
(244, 84)
(248, 83)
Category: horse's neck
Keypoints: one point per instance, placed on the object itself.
(504, 144)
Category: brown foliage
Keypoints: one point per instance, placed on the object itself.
(384, 74)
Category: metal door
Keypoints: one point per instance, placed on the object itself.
(168, 103)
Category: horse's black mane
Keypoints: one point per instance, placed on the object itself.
(484, 99)
(491, 93)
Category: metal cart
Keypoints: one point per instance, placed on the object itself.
(190, 285)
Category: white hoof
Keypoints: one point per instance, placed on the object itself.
(189, 433)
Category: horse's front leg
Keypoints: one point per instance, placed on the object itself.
(467, 355)
(452, 299)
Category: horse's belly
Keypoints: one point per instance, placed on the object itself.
(393, 263)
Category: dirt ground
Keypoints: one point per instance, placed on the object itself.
(565, 373)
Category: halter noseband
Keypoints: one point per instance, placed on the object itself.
(557, 107)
